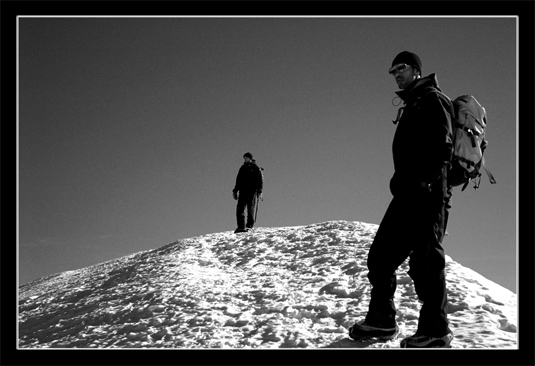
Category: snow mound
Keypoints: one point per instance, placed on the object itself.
(287, 287)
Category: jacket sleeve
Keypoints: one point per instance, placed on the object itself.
(237, 186)
(260, 181)
(439, 147)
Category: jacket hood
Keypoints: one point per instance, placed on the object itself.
(418, 86)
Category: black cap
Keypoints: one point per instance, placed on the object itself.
(408, 58)
(248, 155)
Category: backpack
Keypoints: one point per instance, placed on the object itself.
(469, 144)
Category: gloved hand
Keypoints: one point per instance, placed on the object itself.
(235, 195)
(260, 196)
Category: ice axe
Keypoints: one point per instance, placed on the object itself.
(256, 211)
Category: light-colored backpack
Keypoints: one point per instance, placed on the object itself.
(469, 143)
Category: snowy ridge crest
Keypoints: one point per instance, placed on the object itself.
(286, 287)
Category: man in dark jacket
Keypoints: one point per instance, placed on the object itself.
(415, 222)
(248, 189)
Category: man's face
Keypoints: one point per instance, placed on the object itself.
(404, 74)
(246, 159)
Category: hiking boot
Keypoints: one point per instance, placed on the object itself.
(241, 230)
(421, 341)
(362, 331)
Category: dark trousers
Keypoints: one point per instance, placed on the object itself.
(247, 201)
(411, 227)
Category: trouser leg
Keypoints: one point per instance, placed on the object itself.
(388, 251)
(427, 264)
(240, 211)
(251, 206)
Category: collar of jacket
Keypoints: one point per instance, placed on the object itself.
(415, 90)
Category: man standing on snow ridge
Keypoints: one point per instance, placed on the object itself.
(422, 149)
(248, 189)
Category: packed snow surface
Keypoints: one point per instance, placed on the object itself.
(289, 287)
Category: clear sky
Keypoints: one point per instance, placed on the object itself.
(131, 131)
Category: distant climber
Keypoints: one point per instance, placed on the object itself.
(248, 190)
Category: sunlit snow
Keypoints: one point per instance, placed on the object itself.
(285, 287)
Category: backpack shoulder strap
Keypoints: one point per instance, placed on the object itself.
(441, 95)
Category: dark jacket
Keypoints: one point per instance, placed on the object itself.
(250, 179)
(422, 145)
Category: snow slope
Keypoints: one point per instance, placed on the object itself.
(287, 287)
